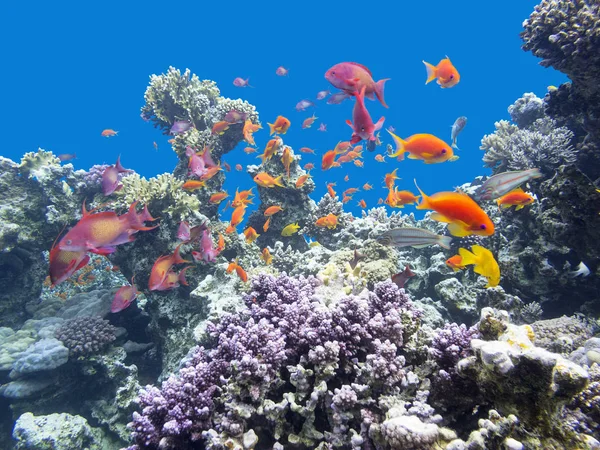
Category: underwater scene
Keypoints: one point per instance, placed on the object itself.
(283, 230)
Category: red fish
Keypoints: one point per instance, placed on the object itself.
(351, 77)
(110, 177)
(208, 253)
(124, 297)
(199, 162)
(63, 264)
(363, 126)
(161, 275)
(240, 82)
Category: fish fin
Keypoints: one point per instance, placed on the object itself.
(425, 200)
(458, 230)
(440, 217)
(445, 242)
(379, 124)
(355, 139)
(102, 250)
(426, 155)
(420, 245)
(181, 276)
(519, 207)
(468, 257)
(83, 263)
(431, 72)
(411, 156)
(271, 128)
(379, 86)
(454, 146)
(177, 259)
(370, 96)
(278, 181)
(349, 123)
(454, 158)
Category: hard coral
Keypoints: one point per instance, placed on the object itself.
(86, 335)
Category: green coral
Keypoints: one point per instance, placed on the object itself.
(163, 194)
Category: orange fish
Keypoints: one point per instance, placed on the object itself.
(266, 224)
(367, 187)
(108, 133)
(192, 185)
(241, 273)
(272, 210)
(426, 147)
(307, 150)
(397, 199)
(346, 178)
(516, 197)
(358, 148)
(380, 158)
(247, 131)
(249, 150)
(286, 160)
(350, 156)
(308, 122)
(446, 74)
(328, 160)
(266, 256)
(227, 167)
(329, 221)
(220, 243)
(250, 234)
(220, 127)
(237, 216)
(330, 190)
(280, 126)
(455, 262)
(171, 141)
(390, 179)
(309, 166)
(265, 180)
(239, 167)
(218, 197)
(463, 215)
(342, 147)
(350, 191)
(270, 149)
(362, 204)
(346, 198)
(301, 180)
(242, 198)
(358, 163)
(210, 172)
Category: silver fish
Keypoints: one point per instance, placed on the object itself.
(498, 185)
(413, 237)
(458, 126)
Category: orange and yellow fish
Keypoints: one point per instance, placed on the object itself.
(280, 126)
(109, 133)
(220, 127)
(192, 185)
(328, 161)
(426, 147)
(516, 197)
(218, 197)
(266, 224)
(329, 221)
(265, 180)
(302, 179)
(309, 121)
(446, 74)
(286, 160)
(266, 256)
(455, 262)
(251, 235)
(241, 273)
(248, 130)
(390, 179)
(272, 210)
(290, 229)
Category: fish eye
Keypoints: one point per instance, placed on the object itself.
(443, 151)
(482, 226)
(451, 77)
(69, 242)
(362, 129)
(333, 72)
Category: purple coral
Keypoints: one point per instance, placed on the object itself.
(452, 343)
(285, 335)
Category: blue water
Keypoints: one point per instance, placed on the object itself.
(80, 69)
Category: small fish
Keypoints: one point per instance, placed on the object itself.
(108, 133)
(502, 183)
(426, 147)
(309, 166)
(322, 127)
(302, 179)
(346, 198)
(352, 77)
(235, 116)
(282, 71)
(240, 82)
(303, 104)
(290, 229)
(328, 160)
(329, 221)
(242, 198)
(272, 210)
(347, 178)
(330, 190)
(266, 224)
(270, 149)
(162, 277)
(192, 185)
(351, 191)
(446, 74)
(309, 121)
(199, 162)
(124, 297)
(322, 94)
(356, 259)
(390, 179)
(280, 126)
(210, 172)
(455, 262)
(265, 180)
(484, 263)
(362, 125)
(286, 160)
(241, 273)
(238, 167)
(458, 126)
(218, 197)
(110, 177)
(307, 150)
(251, 235)
(266, 256)
(367, 187)
(397, 199)
(338, 98)
(413, 237)
(358, 163)
(463, 215)
(66, 156)
(227, 167)
(180, 126)
(155, 145)
(207, 252)
(248, 130)
(581, 269)
(380, 158)
(220, 127)
(362, 204)
(184, 231)
(516, 197)
(249, 150)
(401, 278)
(380, 201)
(237, 216)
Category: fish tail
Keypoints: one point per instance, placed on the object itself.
(454, 145)
(445, 242)
(431, 72)
(181, 276)
(272, 128)
(424, 204)
(119, 167)
(379, 86)
(468, 257)
(278, 181)
(177, 259)
(400, 146)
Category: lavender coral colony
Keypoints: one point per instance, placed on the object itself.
(181, 325)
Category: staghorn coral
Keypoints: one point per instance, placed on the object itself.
(85, 335)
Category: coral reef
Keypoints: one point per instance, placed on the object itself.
(85, 335)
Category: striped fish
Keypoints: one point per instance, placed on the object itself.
(498, 185)
(413, 237)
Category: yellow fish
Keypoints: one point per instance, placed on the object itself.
(290, 229)
(484, 263)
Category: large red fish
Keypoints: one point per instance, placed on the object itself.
(363, 125)
(351, 77)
